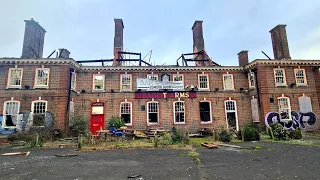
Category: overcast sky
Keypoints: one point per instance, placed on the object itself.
(86, 27)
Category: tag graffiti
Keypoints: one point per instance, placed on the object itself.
(299, 120)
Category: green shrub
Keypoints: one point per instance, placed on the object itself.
(279, 132)
(166, 139)
(295, 134)
(251, 133)
(116, 122)
(225, 136)
(179, 137)
(79, 125)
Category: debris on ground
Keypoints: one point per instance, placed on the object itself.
(235, 146)
(66, 155)
(16, 154)
(209, 146)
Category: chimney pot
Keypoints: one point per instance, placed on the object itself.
(243, 58)
(280, 42)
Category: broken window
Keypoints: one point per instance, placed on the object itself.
(205, 111)
(126, 82)
(231, 114)
(14, 77)
(284, 108)
(153, 112)
(280, 78)
(125, 112)
(251, 80)
(42, 77)
(153, 77)
(11, 112)
(98, 82)
(179, 112)
(300, 75)
(39, 109)
(203, 81)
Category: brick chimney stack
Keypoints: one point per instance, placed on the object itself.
(198, 41)
(280, 42)
(243, 58)
(118, 41)
(64, 53)
(33, 41)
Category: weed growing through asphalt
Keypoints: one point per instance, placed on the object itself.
(195, 156)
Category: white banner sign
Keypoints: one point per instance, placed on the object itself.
(152, 85)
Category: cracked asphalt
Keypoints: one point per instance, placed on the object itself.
(271, 161)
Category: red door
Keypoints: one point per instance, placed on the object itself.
(97, 117)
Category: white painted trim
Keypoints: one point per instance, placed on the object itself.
(224, 87)
(208, 84)
(35, 79)
(104, 79)
(127, 124)
(284, 78)
(209, 122)
(236, 112)
(304, 77)
(32, 108)
(74, 74)
(289, 106)
(4, 113)
(9, 79)
(148, 123)
(126, 90)
(254, 80)
(174, 112)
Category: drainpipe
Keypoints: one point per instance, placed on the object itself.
(68, 102)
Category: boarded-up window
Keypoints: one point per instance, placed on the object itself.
(254, 110)
(305, 104)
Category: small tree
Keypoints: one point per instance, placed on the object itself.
(79, 125)
(116, 122)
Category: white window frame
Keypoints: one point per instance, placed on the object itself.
(284, 77)
(181, 75)
(4, 113)
(154, 77)
(158, 109)
(289, 108)
(224, 83)
(208, 85)
(121, 103)
(121, 77)
(32, 109)
(235, 111)
(36, 85)
(9, 78)
(174, 112)
(73, 81)
(304, 77)
(208, 122)
(252, 84)
(93, 84)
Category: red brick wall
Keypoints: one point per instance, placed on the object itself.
(56, 94)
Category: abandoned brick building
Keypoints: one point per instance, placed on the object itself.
(205, 95)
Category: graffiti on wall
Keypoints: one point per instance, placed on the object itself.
(299, 120)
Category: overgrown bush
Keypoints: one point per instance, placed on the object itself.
(251, 133)
(225, 136)
(79, 125)
(295, 134)
(116, 122)
(27, 137)
(179, 137)
(166, 139)
(279, 132)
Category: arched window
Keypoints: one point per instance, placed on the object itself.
(153, 112)
(284, 108)
(126, 112)
(205, 112)
(179, 112)
(10, 113)
(38, 109)
(231, 114)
